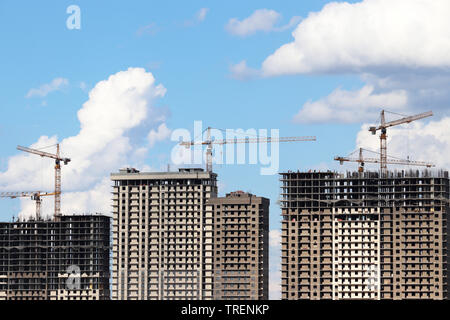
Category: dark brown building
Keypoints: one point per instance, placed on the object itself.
(241, 246)
(66, 259)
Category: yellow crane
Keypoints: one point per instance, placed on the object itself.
(34, 195)
(383, 136)
(361, 160)
(58, 159)
(208, 142)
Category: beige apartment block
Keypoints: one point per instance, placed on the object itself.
(241, 248)
(365, 236)
(162, 235)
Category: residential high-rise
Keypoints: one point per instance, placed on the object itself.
(241, 248)
(365, 235)
(66, 259)
(162, 235)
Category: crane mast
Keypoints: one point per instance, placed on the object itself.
(383, 135)
(58, 159)
(34, 195)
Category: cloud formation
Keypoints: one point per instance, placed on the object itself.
(399, 49)
(150, 29)
(199, 17)
(368, 36)
(45, 89)
(201, 14)
(264, 20)
(116, 108)
(160, 134)
(351, 106)
(275, 264)
(241, 71)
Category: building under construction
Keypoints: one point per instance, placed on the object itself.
(365, 235)
(67, 259)
(162, 235)
(241, 246)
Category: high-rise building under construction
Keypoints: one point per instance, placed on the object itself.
(365, 235)
(241, 246)
(66, 259)
(162, 235)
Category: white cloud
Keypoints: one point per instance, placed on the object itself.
(400, 49)
(199, 17)
(422, 140)
(45, 89)
(116, 106)
(241, 71)
(274, 286)
(201, 14)
(274, 238)
(275, 264)
(367, 36)
(260, 20)
(150, 29)
(351, 106)
(162, 133)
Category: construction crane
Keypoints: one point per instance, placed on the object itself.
(383, 136)
(208, 142)
(361, 160)
(58, 160)
(34, 195)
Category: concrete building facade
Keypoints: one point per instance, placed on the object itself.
(55, 260)
(241, 246)
(162, 235)
(365, 235)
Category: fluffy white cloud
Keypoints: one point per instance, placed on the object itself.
(116, 106)
(275, 264)
(150, 29)
(427, 141)
(367, 36)
(199, 17)
(351, 106)
(241, 71)
(162, 133)
(45, 89)
(201, 14)
(260, 20)
(274, 238)
(400, 49)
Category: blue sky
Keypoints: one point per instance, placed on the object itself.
(192, 62)
(348, 74)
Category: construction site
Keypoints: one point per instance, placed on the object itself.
(65, 257)
(356, 235)
(366, 235)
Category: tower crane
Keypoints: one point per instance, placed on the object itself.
(58, 160)
(383, 136)
(208, 142)
(361, 160)
(34, 195)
